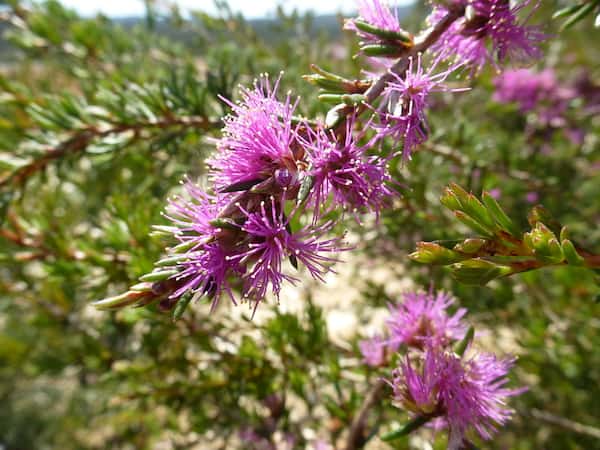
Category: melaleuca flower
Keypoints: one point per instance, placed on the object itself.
(204, 267)
(258, 139)
(404, 103)
(343, 171)
(534, 91)
(373, 350)
(269, 241)
(376, 13)
(463, 394)
(489, 32)
(423, 319)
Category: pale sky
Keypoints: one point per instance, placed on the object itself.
(250, 8)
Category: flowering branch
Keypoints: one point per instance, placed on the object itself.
(273, 168)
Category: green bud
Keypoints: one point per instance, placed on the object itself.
(544, 244)
(141, 287)
(540, 214)
(431, 253)
(479, 212)
(163, 230)
(564, 233)
(555, 251)
(470, 246)
(478, 271)
(184, 246)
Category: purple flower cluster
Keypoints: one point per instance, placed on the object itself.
(489, 32)
(242, 232)
(539, 92)
(431, 381)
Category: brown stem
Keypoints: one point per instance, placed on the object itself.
(356, 438)
(422, 43)
(566, 423)
(592, 261)
(83, 137)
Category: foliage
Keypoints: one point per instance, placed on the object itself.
(99, 121)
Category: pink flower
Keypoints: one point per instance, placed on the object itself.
(404, 103)
(270, 241)
(373, 350)
(534, 91)
(258, 138)
(490, 32)
(422, 319)
(344, 174)
(468, 394)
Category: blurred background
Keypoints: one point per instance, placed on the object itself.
(104, 107)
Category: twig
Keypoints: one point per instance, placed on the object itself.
(422, 43)
(80, 140)
(356, 437)
(566, 423)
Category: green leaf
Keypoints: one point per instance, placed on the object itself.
(181, 306)
(473, 224)
(305, 188)
(566, 11)
(579, 15)
(159, 275)
(498, 213)
(408, 428)
(382, 50)
(401, 36)
(478, 272)
(462, 346)
(571, 255)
